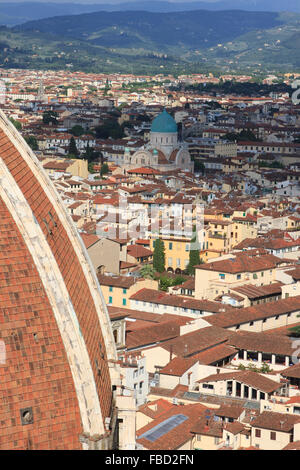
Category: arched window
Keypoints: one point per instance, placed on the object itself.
(116, 336)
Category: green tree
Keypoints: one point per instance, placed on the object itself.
(276, 164)
(77, 131)
(147, 271)
(231, 136)
(50, 117)
(104, 169)
(165, 282)
(159, 256)
(178, 280)
(110, 128)
(88, 154)
(73, 148)
(199, 166)
(17, 124)
(295, 331)
(243, 136)
(265, 368)
(32, 142)
(194, 257)
(246, 135)
(91, 168)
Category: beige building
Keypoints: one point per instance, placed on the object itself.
(76, 167)
(217, 277)
(269, 316)
(117, 290)
(274, 431)
(103, 252)
(241, 384)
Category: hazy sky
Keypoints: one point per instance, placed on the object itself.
(98, 1)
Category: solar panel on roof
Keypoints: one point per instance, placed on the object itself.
(164, 427)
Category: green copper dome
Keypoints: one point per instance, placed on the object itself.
(164, 123)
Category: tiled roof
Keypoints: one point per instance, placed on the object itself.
(148, 316)
(283, 330)
(253, 379)
(292, 372)
(242, 264)
(271, 344)
(178, 366)
(125, 265)
(234, 428)
(255, 292)
(89, 239)
(208, 427)
(55, 165)
(257, 312)
(227, 411)
(189, 285)
(159, 297)
(116, 281)
(152, 334)
(138, 251)
(276, 421)
(196, 341)
(176, 437)
(295, 273)
(215, 354)
(292, 446)
(155, 409)
(143, 171)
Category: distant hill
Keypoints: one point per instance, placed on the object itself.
(156, 31)
(146, 42)
(18, 13)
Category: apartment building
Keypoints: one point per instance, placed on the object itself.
(217, 277)
(118, 290)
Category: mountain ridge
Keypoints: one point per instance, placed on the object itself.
(199, 28)
(146, 41)
(18, 13)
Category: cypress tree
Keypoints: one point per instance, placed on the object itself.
(104, 169)
(72, 147)
(194, 257)
(159, 256)
(88, 154)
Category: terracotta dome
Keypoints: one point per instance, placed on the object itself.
(55, 382)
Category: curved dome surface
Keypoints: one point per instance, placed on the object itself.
(164, 123)
(55, 381)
